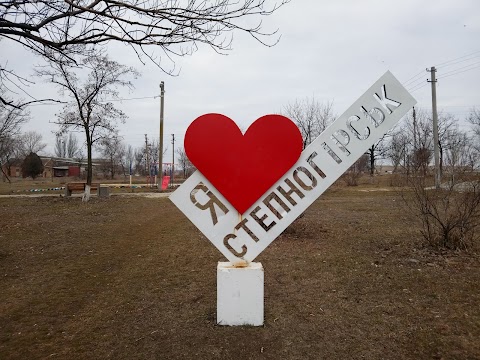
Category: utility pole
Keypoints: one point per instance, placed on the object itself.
(160, 140)
(435, 127)
(173, 158)
(146, 159)
(414, 114)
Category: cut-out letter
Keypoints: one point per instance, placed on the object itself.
(261, 221)
(372, 115)
(354, 131)
(315, 166)
(226, 240)
(300, 181)
(268, 202)
(210, 204)
(330, 152)
(243, 225)
(293, 189)
(385, 101)
(343, 141)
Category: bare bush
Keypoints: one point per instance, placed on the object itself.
(356, 171)
(450, 216)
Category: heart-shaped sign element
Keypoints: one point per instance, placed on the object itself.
(242, 167)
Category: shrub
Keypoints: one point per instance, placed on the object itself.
(32, 166)
(450, 215)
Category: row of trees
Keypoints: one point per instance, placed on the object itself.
(117, 157)
(409, 146)
(120, 158)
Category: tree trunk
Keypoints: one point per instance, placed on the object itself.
(4, 174)
(86, 194)
(372, 159)
(440, 150)
(8, 165)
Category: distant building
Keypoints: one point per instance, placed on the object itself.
(52, 167)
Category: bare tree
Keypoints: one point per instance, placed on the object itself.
(88, 109)
(377, 151)
(474, 119)
(73, 147)
(67, 147)
(447, 125)
(411, 144)
(11, 120)
(128, 160)
(10, 149)
(461, 155)
(60, 147)
(31, 142)
(187, 166)
(114, 150)
(61, 30)
(311, 117)
(419, 127)
(153, 153)
(356, 171)
(397, 148)
(139, 156)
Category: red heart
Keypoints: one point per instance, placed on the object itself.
(243, 167)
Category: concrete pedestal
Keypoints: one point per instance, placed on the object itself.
(103, 191)
(240, 294)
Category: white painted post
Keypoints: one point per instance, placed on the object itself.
(240, 294)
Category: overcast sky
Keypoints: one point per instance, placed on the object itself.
(332, 50)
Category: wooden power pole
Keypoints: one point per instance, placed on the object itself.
(160, 140)
(433, 81)
(173, 158)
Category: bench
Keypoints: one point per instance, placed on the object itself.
(78, 186)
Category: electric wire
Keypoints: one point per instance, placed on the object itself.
(461, 57)
(413, 77)
(128, 99)
(458, 62)
(419, 87)
(416, 83)
(459, 72)
(461, 68)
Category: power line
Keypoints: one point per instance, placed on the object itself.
(419, 87)
(414, 86)
(461, 57)
(413, 77)
(453, 72)
(476, 67)
(416, 83)
(458, 62)
(128, 99)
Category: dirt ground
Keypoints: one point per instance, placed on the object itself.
(132, 278)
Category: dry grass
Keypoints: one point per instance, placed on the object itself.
(131, 278)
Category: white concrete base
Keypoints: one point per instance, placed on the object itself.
(239, 294)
